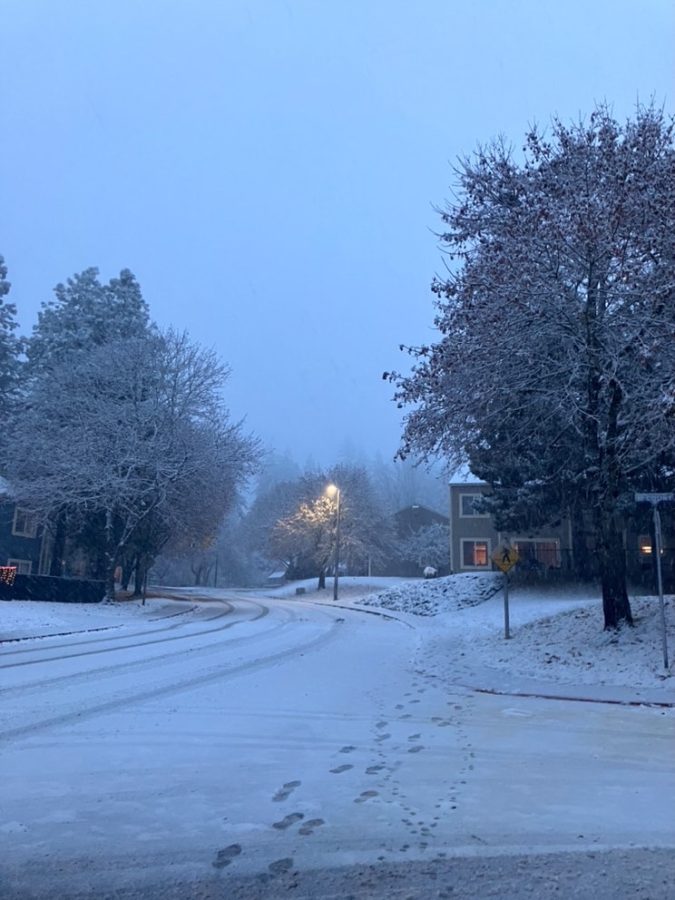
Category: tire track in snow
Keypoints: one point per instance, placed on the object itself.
(73, 678)
(184, 684)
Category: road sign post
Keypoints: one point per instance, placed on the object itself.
(505, 557)
(655, 499)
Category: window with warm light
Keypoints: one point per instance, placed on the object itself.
(475, 554)
(645, 545)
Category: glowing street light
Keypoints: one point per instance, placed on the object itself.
(334, 491)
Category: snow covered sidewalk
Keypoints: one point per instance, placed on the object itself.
(558, 647)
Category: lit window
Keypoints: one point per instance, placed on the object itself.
(24, 524)
(645, 545)
(475, 554)
(467, 506)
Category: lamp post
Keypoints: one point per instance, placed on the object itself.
(334, 491)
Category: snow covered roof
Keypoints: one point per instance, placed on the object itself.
(464, 475)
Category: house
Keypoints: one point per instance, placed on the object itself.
(473, 537)
(22, 542)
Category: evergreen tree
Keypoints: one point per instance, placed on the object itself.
(10, 348)
(86, 313)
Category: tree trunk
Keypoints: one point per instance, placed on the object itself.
(127, 568)
(59, 546)
(322, 580)
(139, 576)
(612, 563)
(111, 554)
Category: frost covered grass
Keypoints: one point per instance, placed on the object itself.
(571, 646)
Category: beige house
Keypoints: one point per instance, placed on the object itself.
(473, 537)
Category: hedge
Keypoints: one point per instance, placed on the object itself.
(54, 589)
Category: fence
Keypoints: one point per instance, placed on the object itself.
(550, 564)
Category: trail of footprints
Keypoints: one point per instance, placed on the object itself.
(419, 829)
(278, 866)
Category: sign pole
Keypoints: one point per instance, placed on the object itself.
(658, 541)
(505, 557)
(654, 499)
(507, 633)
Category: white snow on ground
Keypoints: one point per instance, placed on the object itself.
(570, 645)
(27, 618)
(438, 595)
(556, 635)
(295, 730)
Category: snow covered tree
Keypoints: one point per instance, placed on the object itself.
(554, 374)
(133, 437)
(10, 348)
(86, 313)
(305, 537)
(428, 546)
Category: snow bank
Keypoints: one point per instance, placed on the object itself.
(440, 595)
(571, 646)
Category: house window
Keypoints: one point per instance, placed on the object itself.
(475, 554)
(538, 555)
(467, 506)
(24, 524)
(645, 545)
(22, 566)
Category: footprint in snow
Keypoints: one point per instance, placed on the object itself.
(285, 792)
(309, 826)
(288, 820)
(365, 795)
(225, 856)
(279, 866)
(342, 768)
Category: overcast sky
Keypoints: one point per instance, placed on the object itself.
(268, 168)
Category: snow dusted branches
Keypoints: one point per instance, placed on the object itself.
(556, 357)
(129, 432)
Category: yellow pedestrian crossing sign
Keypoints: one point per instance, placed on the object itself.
(505, 557)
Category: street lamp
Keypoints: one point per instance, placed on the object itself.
(334, 491)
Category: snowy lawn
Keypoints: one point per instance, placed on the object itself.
(31, 618)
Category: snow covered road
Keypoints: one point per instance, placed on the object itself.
(261, 737)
